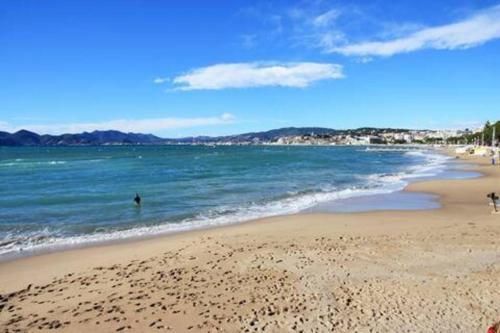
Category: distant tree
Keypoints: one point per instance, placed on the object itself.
(486, 133)
(497, 131)
(455, 140)
(433, 140)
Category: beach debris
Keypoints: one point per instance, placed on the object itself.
(495, 328)
(494, 199)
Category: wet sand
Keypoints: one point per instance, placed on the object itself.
(386, 271)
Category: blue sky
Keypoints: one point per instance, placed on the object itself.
(178, 68)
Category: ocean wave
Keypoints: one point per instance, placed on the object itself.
(433, 164)
(429, 164)
(415, 153)
(290, 204)
(216, 217)
(53, 162)
(22, 162)
(27, 163)
(401, 149)
(379, 178)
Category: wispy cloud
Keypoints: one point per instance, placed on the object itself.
(326, 18)
(152, 125)
(246, 75)
(248, 41)
(265, 18)
(301, 24)
(363, 60)
(352, 30)
(160, 80)
(316, 25)
(478, 29)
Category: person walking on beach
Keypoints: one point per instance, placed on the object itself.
(137, 199)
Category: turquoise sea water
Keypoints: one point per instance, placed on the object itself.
(55, 197)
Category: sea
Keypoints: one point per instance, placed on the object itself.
(53, 198)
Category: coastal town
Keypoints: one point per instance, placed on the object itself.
(282, 136)
(375, 136)
(366, 136)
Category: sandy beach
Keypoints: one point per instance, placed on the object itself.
(386, 271)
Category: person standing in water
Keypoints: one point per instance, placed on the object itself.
(137, 199)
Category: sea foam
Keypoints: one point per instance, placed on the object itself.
(429, 164)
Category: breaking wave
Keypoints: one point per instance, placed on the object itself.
(428, 164)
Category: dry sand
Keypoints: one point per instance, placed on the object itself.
(395, 271)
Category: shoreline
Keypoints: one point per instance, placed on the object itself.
(468, 165)
(48, 248)
(396, 252)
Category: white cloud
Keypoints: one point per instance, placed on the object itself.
(5, 126)
(478, 29)
(363, 60)
(160, 80)
(249, 40)
(228, 117)
(330, 39)
(326, 18)
(153, 125)
(245, 75)
(308, 24)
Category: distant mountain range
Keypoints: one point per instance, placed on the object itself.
(264, 136)
(97, 138)
(27, 138)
